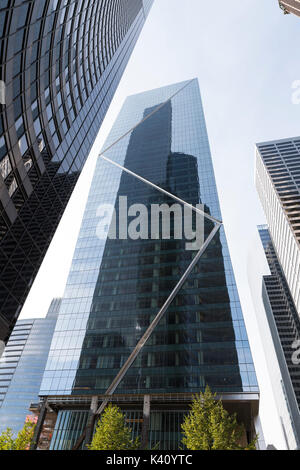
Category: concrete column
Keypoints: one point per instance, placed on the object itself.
(91, 421)
(39, 425)
(146, 423)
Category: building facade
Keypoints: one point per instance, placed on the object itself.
(290, 6)
(284, 325)
(22, 367)
(61, 62)
(278, 185)
(117, 285)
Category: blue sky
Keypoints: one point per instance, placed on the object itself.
(246, 57)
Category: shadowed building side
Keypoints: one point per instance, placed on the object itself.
(61, 62)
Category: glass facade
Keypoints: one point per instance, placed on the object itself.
(61, 62)
(285, 329)
(116, 286)
(164, 427)
(283, 308)
(22, 367)
(278, 186)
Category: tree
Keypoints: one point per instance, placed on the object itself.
(112, 433)
(21, 442)
(209, 426)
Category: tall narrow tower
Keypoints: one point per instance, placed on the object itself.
(278, 185)
(117, 284)
(22, 367)
(284, 326)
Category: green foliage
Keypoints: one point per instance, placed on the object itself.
(156, 446)
(112, 433)
(21, 442)
(6, 440)
(209, 426)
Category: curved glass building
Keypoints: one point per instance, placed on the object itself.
(61, 62)
(117, 285)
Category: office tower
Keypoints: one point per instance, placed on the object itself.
(22, 367)
(290, 6)
(61, 62)
(284, 325)
(278, 185)
(116, 286)
(276, 295)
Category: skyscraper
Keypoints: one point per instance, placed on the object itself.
(22, 367)
(61, 62)
(117, 285)
(290, 6)
(284, 325)
(278, 185)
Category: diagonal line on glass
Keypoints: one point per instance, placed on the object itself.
(145, 118)
(119, 377)
(195, 209)
(102, 155)
(121, 374)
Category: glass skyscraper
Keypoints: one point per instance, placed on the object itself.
(278, 186)
(22, 367)
(61, 62)
(284, 326)
(116, 286)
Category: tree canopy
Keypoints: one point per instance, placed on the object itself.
(21, 442)
(112, 433)
(209, 426)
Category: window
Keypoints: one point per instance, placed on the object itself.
(23, 145)
(5, 167)
(3, 148)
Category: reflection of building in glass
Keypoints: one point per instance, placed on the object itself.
(22, 367)
(61, 62)
(148, 271)
(285, 329)
(115, 287)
